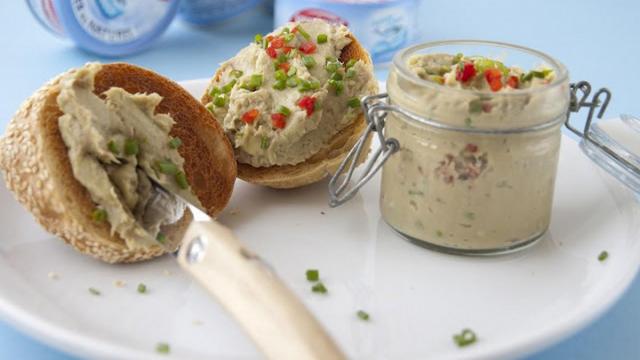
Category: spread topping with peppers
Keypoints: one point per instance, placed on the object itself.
(282, 98)
(476, 72)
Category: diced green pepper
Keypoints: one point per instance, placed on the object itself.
(322, 38)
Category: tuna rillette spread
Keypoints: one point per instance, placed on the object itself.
(466, 190)
(115, 146)
(281, 99)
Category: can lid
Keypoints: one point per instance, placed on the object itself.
(113, 27)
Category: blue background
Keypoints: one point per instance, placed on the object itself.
(597, 40)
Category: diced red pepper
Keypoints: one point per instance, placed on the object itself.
(269, 38)
(471, 148)
(277, 43)
(272, 52)
(294, 30)
(250, 116)
(513, 82)
(307, 103)
(287, 49)
(494, 78)
(278, 120)
(308, 47)
(284, 66)
(466, 72)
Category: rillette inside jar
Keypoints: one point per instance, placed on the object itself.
(476, 166)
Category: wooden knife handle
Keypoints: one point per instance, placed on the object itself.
(279, 324)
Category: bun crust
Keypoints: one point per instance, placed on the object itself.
(321, 164)
(36, 167)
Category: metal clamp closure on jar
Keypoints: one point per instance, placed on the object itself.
(376, 108)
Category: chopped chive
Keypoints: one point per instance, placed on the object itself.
(308, 61)
(219, 100)
(264, 143)
(337, 86)
(181, 179)
(142, 288)
(280, 84)
(258, 38)
(131, 147)
(175, 143)
(475, 106)
(351, 73)
(319, 288)
(309, 85)
(439, 233)
(467, 122)
(163, 348)
(353, 103)
(280, 75)
(113, 147)
(470, 215)
(161, 238)
(350, 63)
(332, 66)
(292, 82)
(363, 315)
(214, 91)
(416, 192)
(284, 110)
(99, 215)
(255, 81)
(288, 37)
(167, 167)
(94, 291)
(316, 105)
(227, 88)
(336, 76)
(321, 38)
(603, 256)
(236, 73)
(465, 338)
(313, 275)
(303, 33)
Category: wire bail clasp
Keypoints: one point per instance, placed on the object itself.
(375, 108)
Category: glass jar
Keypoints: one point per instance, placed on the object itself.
(469, 172)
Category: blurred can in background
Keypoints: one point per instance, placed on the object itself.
(381, 26)
(106, 27)
(208, 12)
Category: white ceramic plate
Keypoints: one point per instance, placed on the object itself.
(417, 298)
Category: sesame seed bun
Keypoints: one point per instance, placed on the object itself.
(36, 167)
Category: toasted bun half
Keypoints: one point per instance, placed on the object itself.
(36, 167)
(323, 163)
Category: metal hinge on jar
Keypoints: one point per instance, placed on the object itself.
(376, 108)
(601, 148)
